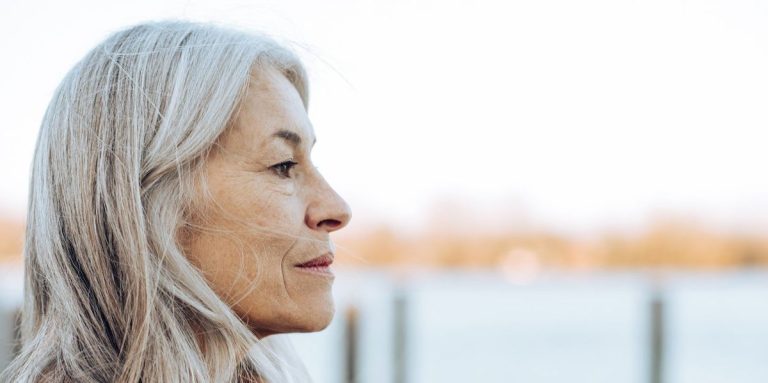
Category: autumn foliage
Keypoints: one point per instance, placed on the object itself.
(665, 245)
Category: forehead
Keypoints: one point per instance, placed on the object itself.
(271, 104)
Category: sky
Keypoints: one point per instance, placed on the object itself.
(476, 115)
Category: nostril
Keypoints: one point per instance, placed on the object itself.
(329, 224)
(327, 216)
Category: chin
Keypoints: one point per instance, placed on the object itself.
(317, 320)
(312, 318)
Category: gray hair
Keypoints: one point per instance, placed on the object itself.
(109, 294)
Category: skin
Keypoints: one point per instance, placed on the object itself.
(265, 215)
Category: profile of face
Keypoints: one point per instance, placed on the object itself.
(262, 239)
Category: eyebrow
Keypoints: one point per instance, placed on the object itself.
(292, 138)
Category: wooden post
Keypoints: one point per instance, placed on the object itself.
(400, 336)
(351, 344)
(657, 337)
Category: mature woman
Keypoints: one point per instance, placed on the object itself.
(176, 221)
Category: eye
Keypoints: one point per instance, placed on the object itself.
(283, 169)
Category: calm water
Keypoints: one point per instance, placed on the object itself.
(479, 327)
(472, 327)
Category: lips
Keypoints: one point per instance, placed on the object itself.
(324, 260)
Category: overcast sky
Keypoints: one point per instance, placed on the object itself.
(569, 115)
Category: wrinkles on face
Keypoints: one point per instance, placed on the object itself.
(283, 268)
(254, 228)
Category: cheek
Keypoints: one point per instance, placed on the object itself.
(285, 188)
(242, 243)
(244, 268)
(249, 241)
(256, 202)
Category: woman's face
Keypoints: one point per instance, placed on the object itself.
(270, 212)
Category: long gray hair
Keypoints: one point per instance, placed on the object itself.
(109, 294)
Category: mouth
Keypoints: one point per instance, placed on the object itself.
(320, 265)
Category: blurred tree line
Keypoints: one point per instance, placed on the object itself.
(668, 244)
(11, 239)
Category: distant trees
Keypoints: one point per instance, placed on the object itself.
(667, 244)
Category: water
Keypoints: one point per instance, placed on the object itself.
(552, 332)
(718, 329)
(479, 327)
(472, 327)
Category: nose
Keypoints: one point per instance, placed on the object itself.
(327, 211)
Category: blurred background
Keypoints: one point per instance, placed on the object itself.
(543, 191)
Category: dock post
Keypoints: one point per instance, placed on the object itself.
(657, 335)
(400, 348)
(351, 335)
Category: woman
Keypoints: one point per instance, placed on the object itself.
(176, 220)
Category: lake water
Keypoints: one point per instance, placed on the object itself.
(480, 327)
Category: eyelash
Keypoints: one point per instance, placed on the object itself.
(283, 169)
